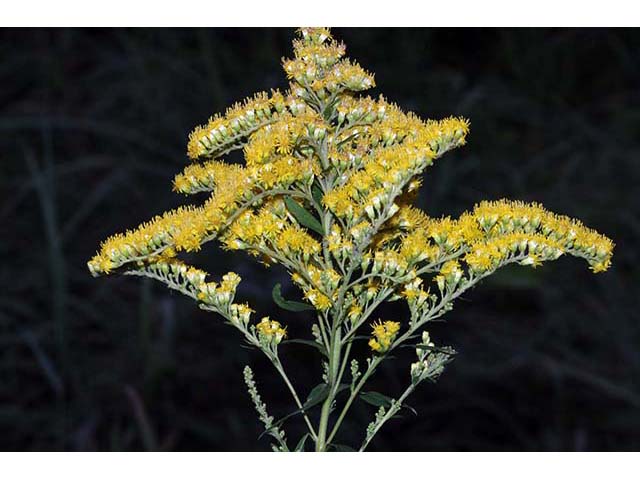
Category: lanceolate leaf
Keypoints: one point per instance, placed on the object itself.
(288, 304)
(303, 216)
(411, 409)
(376, 399)
(317, 194)
(316, 396)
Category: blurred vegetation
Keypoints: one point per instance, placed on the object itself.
(93, 126)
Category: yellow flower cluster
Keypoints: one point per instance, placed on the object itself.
(549, 235)
(416, 247)
(270, 332)
(284, 172)
(282, 137)
(185, 228)
(219, 295)
(222, 134)
(295, 241)
(450, 274)
(491, 234)
(182, 228)
(325, 278)
(280, 133)
(319, 67)
(389, 263)
(487, 255)
(318, 284)
(257, 229)
(337, 244)
(379, 124)
(450, 235)
(318, 52)
(348, 75)
(270, 230)
(204, 177)
(355, 311)
(314, 35)
(384, 333)
(389, 169)
(239, 314)
(318, 299)
(354, 112)
(353, 165)
(477, 242)
(414, 293)
(409, 218)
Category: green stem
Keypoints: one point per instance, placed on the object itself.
(434, 313)
(322, 428)
(345, 361)
(280, 369)
(367, 313)
(392, 411)
(353, 395)
(334, 368)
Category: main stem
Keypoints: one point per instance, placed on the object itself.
(321, 445)
(334, 369)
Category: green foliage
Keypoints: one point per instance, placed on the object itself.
(303, 216)
(290, 305)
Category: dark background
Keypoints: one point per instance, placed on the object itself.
(93, 126)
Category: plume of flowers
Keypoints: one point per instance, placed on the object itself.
(327, 190)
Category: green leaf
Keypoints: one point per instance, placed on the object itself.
(317, 194)
(273, 427)
(301, 443)
(317, 395)
(411, 409)
(380, 400)
(376, 399)
(311, 343)
(303, 216)
(288, 304)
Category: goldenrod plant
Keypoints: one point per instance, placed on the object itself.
(327, 190)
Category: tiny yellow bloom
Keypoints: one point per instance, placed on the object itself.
(384, 333)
